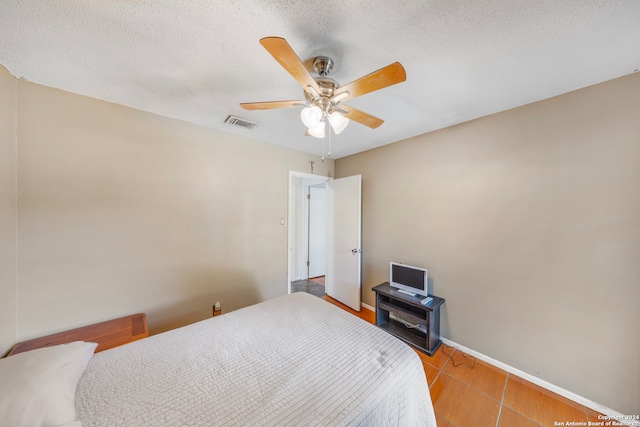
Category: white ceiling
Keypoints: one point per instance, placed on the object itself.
(197, 60)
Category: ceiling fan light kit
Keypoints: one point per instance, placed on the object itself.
(314, 119)
(323, 95)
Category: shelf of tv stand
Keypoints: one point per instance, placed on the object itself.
(407, 315)
(390, 301)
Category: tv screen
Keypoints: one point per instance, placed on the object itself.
(409, 278)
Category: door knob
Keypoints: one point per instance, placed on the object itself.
(355, 251)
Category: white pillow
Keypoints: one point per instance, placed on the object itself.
(38, 387)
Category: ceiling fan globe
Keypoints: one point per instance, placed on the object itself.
(338, 122)
(311, 116)
(318, 130)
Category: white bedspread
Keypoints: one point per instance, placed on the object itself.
(295, 360)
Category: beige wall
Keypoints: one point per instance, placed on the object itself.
(529, 223)
(8, 86)
(123, 211)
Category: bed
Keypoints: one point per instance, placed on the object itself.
(293, 360)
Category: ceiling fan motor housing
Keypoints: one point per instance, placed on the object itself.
(323, 65)
(323, 100)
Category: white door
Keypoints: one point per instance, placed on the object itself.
(317, 231)
(342, 279)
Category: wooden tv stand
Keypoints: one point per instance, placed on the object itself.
(390, 301)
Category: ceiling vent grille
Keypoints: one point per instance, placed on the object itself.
(237, 121)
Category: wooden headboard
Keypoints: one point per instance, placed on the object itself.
(109, 334)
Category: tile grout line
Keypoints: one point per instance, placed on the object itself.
(464, 382)
(504, 393)
(502, 403)
(477, 390)
(508, 376)
(586, 413)
(517, 412)
(440, 370)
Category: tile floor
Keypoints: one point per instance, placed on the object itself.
(310, 286)
(467, 392)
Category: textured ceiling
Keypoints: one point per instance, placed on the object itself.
(197, 60)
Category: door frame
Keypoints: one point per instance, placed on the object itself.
(296, 178)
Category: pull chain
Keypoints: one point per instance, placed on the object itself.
(323, 147)
(328, 132)
(327, 135)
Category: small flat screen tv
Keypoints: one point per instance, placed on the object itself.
(408, 278)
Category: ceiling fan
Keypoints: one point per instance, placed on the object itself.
(324, 97)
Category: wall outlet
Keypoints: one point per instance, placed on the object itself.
(217, 309)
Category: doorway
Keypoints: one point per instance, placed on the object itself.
(307, 233)
(342, 230)
(316, 231)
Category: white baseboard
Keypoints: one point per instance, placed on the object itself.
(367, 306)
(615, 415)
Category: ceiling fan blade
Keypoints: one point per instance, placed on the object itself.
(271, 104)
(284, 54)
(361, 117)
(384, 77)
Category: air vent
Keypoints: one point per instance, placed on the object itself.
(237, 121)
